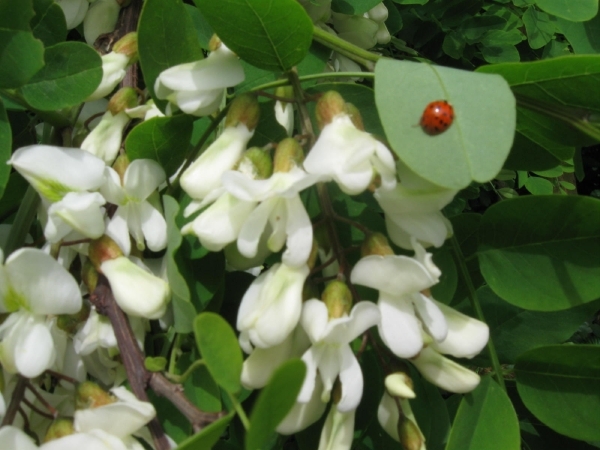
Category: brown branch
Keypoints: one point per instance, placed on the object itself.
(15, 401)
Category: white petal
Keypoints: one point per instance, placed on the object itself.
(388, 416)
(299, 233)
(253, 227)
(397, 385)
(345, 329)
(55, 291)
(111, 189)
(101, 18)
(113, 72)
(352, 381)
(198, 103)
(142, 177)
(278, 221)
(14, 438)
(74, 11)
(262, 362)
(432, 317)
(466, 336)
(118, 230)
(314, 319)
(444, 372)
(307, 391)
(82, 211)
(154, 227)
(284, 114)
(104, 141)
(304, 414)
(399, 328)
(92, 440)
(338, 430)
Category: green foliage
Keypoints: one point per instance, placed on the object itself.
(485, 420)
(270, 34)
(5, 147)
(559, 384)
(48, 25)
(579, 11)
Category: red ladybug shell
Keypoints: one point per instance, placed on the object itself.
(437, 117)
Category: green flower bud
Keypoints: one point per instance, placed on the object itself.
(244, 109)
(124, 98)
(120, 165)
(90, 395)
(285, 92)
(288, 154)
(128, 46)
(256, 163)
(103, 249)
(338, 299)
(355, 116)
(59, 428)
(399, 384)
(89, 276)
(330, 104)
(69, 322)
(376, 244)
(410, 436)
(214, 43)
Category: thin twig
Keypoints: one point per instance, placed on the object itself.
(15, 401)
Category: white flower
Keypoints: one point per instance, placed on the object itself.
(284, 114)
(330, 352)
(413, 209)
(134, 213)
(338, 430)
(197, 88)
(32, 285)
(55, 171)
(74, 11)
(79, 211)
(101, 18)
(350, 156)
(305, 414)
(113, 71)
(145, 112)
(104, 141)
(444, 372)
(204, 174)
(404, 309)
(280, 207)
(388, 415)
(97, 332)
(137, 291)
(15, 438)
(271, 307)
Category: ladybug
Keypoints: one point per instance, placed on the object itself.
(437, 117)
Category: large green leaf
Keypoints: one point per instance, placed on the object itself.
(274, 402)
(560, 385)
(167, 37)
(270, 34)
(48, 24)
(5, 148)
(540, 28)
(163, 139)
(515, 330)
(21, 54)
(575, 10)
(183, 310)
(72, 72)
(476, 144)
(584, 37)
(561, 92)
(541, 252)
(208, 437)
(220, 350)
(485, 420)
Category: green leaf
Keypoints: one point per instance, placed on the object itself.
(167, 37)
(163, 139)
(270, 34)
(515, 331)
(445, 289)
(274, 402)
(5, 148)
(476, 144)
(203, 29)
(498, 54)
(155, 363)
(560, 385)
(584, 37)
(72, 72)
(539, 186)
(558, 87)
(577, 11)
(21, 54)
(485, 420)
(474, 28)
(353, 7)
(541, 252)
(48, 24)
(540, 28)
(220, 350)
(208, 437)
(183, 310)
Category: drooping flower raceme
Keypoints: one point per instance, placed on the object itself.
(197, 88)
(346, 154)
(32, 285)
(63, 177)
(134, 213)
(271, 307)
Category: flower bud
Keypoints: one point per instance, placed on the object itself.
(214, 43)
(288, 155)
(69, 322)
(128, 46)
(101, 18)
(410, 436)
(59, 428)
(124, 98)
(376, 244)
(244, 109)
(399, 384)
(338, 299)
(103, 249)
(383, 36)
(90, 395)
(379, 13)
(256, 163)
(120, 166)
(329, 105)
(355, 116)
